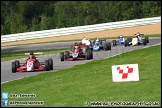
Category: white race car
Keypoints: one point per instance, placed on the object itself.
(138, 40)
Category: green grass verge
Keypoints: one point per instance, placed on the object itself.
(110, 37)
(5, 56)
(93, 82)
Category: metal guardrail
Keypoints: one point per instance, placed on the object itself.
(79, 29)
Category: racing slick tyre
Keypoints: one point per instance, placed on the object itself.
(129, 39)
(91, 53)
(87, 48)
(17, 63)
(47, 66)
(104, 42)
(62, 56)
(80, 43)
(13, 67)
(109, 46)
(147, 39)
(126, 43)
(50, 64)
(90, 44)
(67, 53)
(88, 55)
(105, 47)
(144, 42)
(114, 42)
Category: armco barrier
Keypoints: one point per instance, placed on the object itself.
(79, 29)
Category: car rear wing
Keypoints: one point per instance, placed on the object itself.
(34, 53)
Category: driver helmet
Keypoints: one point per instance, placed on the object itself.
(138, 34)
(76, 44)
(84, 38)
(31, 54)
(76, 47)
(120, 36)
(97, 40)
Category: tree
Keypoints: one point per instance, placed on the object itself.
(45, 22)
(151, 8)
(34, 25)
(23, 16)
(2, 30)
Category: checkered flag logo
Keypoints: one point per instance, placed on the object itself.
(127, 72)
(125, 75)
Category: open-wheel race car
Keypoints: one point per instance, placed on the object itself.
(77, 53)
(120, 41)
(99, 45)
(84, 47)
(31, 65)
(137, 39)
(96, 45)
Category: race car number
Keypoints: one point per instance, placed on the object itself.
(30, 64)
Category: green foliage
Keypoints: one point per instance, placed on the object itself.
(16, 24)
(151, 8)
(23, 16)
(44, 22)
(34, 25)
(2, 29)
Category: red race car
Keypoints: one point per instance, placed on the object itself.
(76, 54)
(84, 47)
(31, 65)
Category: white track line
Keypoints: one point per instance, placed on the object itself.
(152, 45)
(12, 80)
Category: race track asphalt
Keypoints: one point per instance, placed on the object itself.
(7, 75)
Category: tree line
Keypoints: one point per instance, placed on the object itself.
(28, 16)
